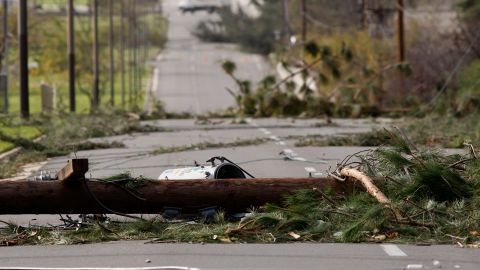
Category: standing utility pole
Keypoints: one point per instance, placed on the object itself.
(110, 45)
(131, 32)
(135, 53)
(304, 21)
(71, 54)
(96, 94)
(5, 56)
(363, 19)
(401, 31)
(23, 57)
(122, 50)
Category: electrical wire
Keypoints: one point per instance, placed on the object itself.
(94, 197)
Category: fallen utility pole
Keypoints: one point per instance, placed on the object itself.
(56, 197)
(76, 195)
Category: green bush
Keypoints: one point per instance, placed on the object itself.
(468, 98)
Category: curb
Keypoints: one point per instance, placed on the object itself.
(16, 150)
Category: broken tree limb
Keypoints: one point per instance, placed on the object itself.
(373, 190)
(54, 197)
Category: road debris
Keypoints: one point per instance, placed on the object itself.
(405, 195)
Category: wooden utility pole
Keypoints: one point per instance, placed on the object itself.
(23, 57)
(122, 50)
(96, 71)
(111, 52)
(304, 21)
(135, 53)
(401, 30)
(82, 196)
(71, 54)
(131, 32)
(5, 57)
(363, 15)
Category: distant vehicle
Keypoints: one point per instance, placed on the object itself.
(198, 5)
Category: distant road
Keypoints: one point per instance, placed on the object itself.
(188, 76)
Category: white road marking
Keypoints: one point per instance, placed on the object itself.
(274, 138)
(393, 250)
(299, 159)
(414, 266)
(281, 143)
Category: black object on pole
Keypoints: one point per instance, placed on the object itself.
(71, 54)
(23, 57)
(111, 53)
(401, 30)
(95, 94)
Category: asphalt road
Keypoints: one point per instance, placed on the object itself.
(188, 74)
(242, 256)
(263, 160)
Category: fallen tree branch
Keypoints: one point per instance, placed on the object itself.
(373, 190)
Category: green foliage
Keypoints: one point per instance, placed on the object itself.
(358, 92)
(447, 130)
(47, 49)
(372, 138)
(67, 133)
(470, 8)
(371, 220)
(229, 67)
(468, 97)
(435, 198)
